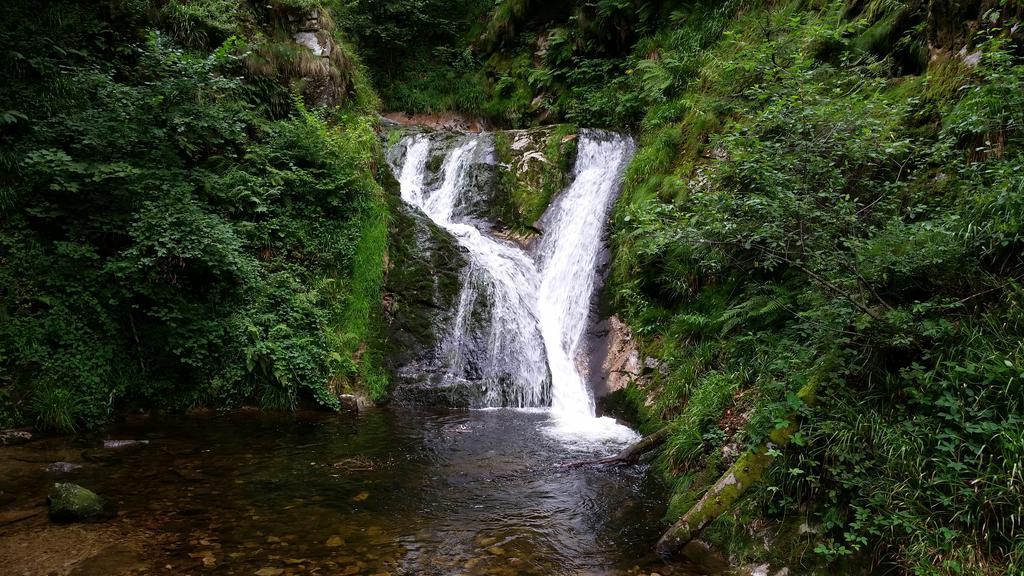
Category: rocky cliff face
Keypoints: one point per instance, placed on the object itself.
(301, 49)
(423, 281)
(325, 70)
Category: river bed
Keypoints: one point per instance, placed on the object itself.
(388, 491)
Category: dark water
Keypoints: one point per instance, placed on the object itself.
(399, 492)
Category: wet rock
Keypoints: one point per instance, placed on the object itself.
(437, 390)
(496, 550)
(73, 503)
(12, 516)
(269, 571)
(62, 467)
(421, 291)
(355, 402)
(117, 444)
(621, 361)
(14, 437)
(334, 542)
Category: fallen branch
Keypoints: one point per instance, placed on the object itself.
(631, 454)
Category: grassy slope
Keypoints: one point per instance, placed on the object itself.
(808, 208)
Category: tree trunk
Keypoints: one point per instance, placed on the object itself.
(632, 453)
(744, 473)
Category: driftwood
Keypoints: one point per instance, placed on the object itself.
(744, 473)
(631, 454)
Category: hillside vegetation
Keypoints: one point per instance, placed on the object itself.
(178, 228)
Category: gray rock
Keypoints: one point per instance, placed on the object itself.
(356, 402)
(63, 467)
(72, 503)
(14, 437)
(115, 444)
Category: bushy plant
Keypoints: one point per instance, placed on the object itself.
(169, 230)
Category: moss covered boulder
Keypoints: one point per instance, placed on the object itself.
(72, 503)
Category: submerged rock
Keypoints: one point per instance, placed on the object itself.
(63, 467)
(73, 503)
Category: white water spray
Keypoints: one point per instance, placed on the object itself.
(537, 319)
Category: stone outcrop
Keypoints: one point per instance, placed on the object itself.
(614, 358)
(327, 75)
(440, 121)
(309, 58)
(14, 437)
(421, 287)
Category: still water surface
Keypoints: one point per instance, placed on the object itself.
(387, 491)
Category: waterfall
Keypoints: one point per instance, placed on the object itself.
(574, 229)
(500, 278)
(537, 307)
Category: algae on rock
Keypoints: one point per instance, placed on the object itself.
(73, 503)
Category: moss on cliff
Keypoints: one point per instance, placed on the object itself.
(535, 164)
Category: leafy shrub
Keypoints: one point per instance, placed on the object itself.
(169, 230)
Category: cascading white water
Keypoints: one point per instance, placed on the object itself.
(536, 319)
(514, 366)
(574, 227)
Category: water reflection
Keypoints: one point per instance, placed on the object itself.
(399, 492)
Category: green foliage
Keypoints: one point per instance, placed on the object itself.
(178, 230)
(56, 409)
(417, 51)
(800, 202)
(203, 24)
(535, 168)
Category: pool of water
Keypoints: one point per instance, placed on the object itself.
(386, 491)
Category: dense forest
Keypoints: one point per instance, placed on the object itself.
(819, 244)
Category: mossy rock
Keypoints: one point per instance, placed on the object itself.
(422, 286)
(73, 503)
(536, 164)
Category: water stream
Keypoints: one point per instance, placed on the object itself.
(539, 303)
(501, 274)
(411, 492)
